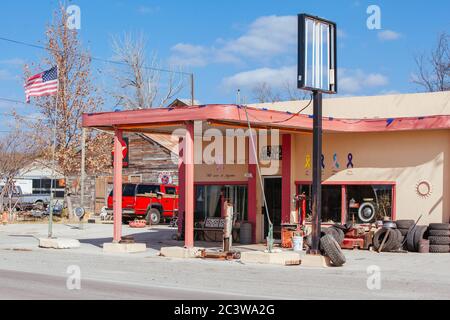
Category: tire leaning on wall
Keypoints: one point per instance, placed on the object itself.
(332, 250)
(419, 234)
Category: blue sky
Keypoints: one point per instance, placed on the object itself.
(235, 44)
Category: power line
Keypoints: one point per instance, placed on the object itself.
(15, 101)
(90, 57)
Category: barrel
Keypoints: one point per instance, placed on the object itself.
(424, 246)
(245, 233)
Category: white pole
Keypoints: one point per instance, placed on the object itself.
(50, 219)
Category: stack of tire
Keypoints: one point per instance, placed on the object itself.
(439, 237)
(392, 238)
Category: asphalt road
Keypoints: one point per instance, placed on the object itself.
(32, 286)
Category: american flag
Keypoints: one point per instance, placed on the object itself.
(42, 84)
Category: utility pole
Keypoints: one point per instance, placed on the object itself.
(192, 90)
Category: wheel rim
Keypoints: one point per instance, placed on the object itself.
(366, 212)
(154, 217)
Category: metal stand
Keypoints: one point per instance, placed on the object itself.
(317, 174)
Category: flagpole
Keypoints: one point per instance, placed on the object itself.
(50, 220)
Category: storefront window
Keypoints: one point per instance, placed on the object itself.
(369, 203)
(331, 202)
(210, 198)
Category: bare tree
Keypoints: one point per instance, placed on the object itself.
(263, 93)
(76, 95)
(433, 69)
(15, 154)
(140, 86)
(292, 93)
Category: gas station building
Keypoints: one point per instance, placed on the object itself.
(390, 153)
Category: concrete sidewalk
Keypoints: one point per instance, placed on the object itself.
(402, 276)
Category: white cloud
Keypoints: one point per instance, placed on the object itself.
(265, 38)
(388, 35)
(276, 78)
(189, 55)
(354, 81)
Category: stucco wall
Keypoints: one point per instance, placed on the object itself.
(405, 158)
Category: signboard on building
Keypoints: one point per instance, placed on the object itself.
(165, 178)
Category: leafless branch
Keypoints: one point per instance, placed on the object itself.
(433, 69)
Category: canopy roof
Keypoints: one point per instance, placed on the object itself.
(168, 119)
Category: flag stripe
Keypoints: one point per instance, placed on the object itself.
(42, 84)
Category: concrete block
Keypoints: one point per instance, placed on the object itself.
(315, 261)
(124, 247)
(58, 243)
(281, 258)
(180, 252)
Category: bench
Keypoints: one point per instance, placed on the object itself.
(209, 230)
(212, 230)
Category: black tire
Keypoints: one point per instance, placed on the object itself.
(439, 226)
(439, 233)
(153, 216)
(341, 235)
(404, 224)
(332, 250)
(393, 241)
(396, 245)
(410, 240)
(419, 234)
(309, 239)
(340, 226)
(337, 234)
(404, 232)
(439, 240)
(126, 220)
(439, 248)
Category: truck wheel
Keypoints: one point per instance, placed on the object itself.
(153, 216)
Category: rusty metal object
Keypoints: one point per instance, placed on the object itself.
(424, 246)
(230, 255)
(127, 239)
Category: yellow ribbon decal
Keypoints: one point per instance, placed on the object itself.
(308, 162)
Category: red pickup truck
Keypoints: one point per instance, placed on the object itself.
(151, 202)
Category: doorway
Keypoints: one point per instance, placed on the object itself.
(272, 191)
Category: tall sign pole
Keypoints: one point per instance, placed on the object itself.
(317, 172)
(317, 72)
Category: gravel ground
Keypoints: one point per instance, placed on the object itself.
(27, 271)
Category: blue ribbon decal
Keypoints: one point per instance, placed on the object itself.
(323, 162)
(335, 161)
(389, 121)
(350, 161)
